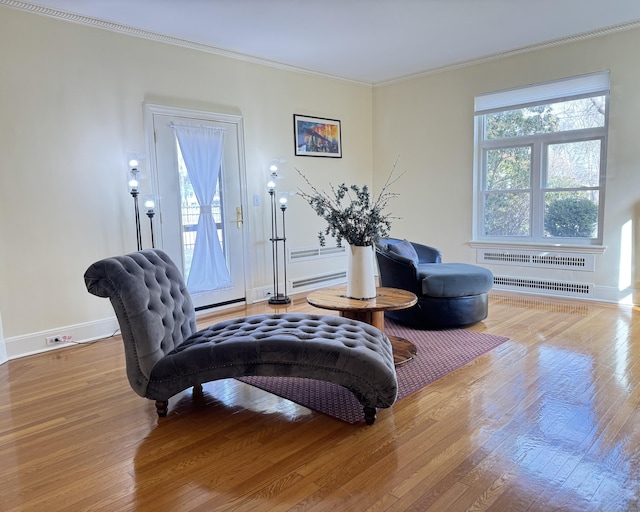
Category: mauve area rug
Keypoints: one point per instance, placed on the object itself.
(439, 353)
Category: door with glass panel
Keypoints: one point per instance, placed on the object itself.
(197, 168)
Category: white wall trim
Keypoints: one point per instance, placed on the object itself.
(606, 294)
(145, 34)
(539, 247)
(518, 51)
(3, 346)
(35, 343)
(154, 36)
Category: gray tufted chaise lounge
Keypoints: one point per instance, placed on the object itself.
(165, 354)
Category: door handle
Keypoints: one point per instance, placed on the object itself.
(239, 217)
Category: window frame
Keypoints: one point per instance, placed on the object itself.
(539, 144)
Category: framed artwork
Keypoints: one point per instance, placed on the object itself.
(315, 136)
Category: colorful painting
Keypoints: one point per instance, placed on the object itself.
(315, 136)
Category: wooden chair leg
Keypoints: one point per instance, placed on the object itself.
(162, 407)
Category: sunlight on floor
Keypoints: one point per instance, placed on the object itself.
(625, 265)
(238, 394)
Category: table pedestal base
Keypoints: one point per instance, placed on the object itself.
(403, 350)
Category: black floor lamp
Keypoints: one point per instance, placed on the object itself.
(135, 192)
(150, 205)
(277, 297)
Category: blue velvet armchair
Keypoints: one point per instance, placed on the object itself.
(449, 294)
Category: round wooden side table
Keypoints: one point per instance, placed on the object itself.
(370, 311)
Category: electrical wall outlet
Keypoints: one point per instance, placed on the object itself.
(54, 340)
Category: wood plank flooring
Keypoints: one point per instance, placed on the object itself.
(548, 421)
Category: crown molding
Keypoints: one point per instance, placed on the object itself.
(154, 36)
(175, 41)
(518, 51)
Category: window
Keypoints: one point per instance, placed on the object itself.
(540, 162)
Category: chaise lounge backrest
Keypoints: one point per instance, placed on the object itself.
(152, 305)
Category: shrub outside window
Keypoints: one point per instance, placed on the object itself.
(540, 166)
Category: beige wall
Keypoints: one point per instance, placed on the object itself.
(71, 101)
(428, 121)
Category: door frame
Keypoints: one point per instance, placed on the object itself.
(151, 109)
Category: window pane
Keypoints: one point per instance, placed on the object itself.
(554, 117)
(574, 164)
(571, 214)
(520, 122)
(507, 214)
(580, 114)
(509, 168)
(541, 167)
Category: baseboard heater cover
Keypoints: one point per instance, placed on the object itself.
(560, 260)
(307, 253)
(315, 280)
(544, 286)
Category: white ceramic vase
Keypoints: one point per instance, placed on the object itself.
(361, 280)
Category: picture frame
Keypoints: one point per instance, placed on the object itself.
(317, 136)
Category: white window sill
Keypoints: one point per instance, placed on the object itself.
(519, 246)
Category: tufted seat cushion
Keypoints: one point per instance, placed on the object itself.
(324, 347)
(454, 279)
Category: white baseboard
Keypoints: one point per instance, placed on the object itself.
(628, 297)
(35, 343)
(3, 346)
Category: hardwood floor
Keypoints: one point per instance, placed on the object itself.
(550, 420)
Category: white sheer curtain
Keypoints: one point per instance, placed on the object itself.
(201, 148)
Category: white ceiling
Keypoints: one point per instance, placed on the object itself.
(369, 41)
